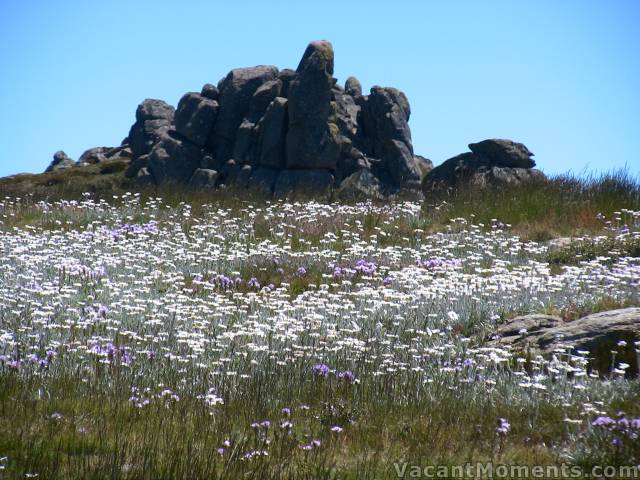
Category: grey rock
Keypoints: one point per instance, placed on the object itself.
(346, 113)
(304, 183)
(351, 161)
(526, 329)
(236, 93)
(208, 162)
(359, 186)
(262, 97)
(195, 117)
(210, 91)
(484, 168)
(286, 76)
(61, 161)
(262, 180)
(144, 177)
(386, 112)
(174, 159)
(245, 143)
(229, 171)
(504, 153)
(204, 178)
(154, 118)
(497, 176)
(353, 87)
(122, 152)
(403, 169)
(272, 130)
(243, 176)
(136, 165)
(313, 140)
(246, 147)
(385, 116)
(94, 155)
(424, 164)
(599, 334)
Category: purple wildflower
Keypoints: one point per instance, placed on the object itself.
(504, 426)
(320, 370)
(347, 375)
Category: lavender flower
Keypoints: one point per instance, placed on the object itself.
(504, 426)
(320, 370)
(347, 375)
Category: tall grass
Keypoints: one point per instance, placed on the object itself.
(563, 205)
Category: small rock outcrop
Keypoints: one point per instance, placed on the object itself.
(103, 154)
(60, 161)
(599, 334)
(491, 162)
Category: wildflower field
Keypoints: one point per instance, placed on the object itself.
(142, 338)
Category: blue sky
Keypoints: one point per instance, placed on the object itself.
(560, 76)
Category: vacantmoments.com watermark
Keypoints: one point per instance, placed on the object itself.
(493, 470)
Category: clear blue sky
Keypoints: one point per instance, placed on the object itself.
(563, 77)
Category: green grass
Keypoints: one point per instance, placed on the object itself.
(105, 436)
(563, 205)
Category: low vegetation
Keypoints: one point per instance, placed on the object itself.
(174, 334)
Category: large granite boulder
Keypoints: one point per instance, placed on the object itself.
(504, 153)
(599, 334)
(286, 76)
(491, 163)
(195, 117)
(94, 155)
(204, 178)
(385, 117)
(360, 185)
(236, 93)
(353, 87)
(499, 176)
(272, 132)
(61, 161)
(174, 159)
(154, 118)
(312, 139)
(210, 91)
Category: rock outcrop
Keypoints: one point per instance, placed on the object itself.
(599, 334)
(491, 162)
(60, 161)
(288, 132)
(298, 132)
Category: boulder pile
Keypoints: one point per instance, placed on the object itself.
(281, 132)
(297, 132)
(491, 162)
